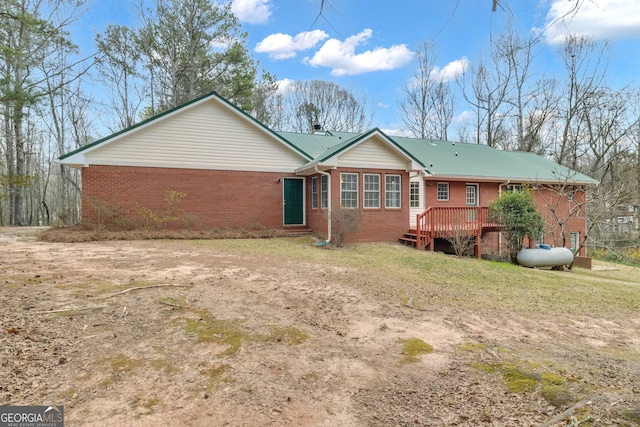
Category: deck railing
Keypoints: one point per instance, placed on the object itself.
(438, 222)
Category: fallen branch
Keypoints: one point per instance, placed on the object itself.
(568, 412)
(170, 304)
(141, 287)
(65, 310)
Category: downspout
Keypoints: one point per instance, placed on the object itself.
(500, 233)
(328, 175)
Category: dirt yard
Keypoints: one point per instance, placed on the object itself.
(176, 333)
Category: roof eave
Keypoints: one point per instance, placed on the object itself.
(169, 113)
(476, 178)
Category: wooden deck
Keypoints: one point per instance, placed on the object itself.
(448, 222)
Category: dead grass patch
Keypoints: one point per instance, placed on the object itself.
(79, 234)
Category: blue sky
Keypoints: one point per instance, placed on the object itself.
(368, 45)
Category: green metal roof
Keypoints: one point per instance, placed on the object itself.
(439, 158)
(448, 159)
(313, 143)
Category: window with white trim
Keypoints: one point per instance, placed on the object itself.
(349, 190)
(414, 194)
(513, 188)
(472, 195)
(314, 192)
(443, 191)
(392, 191)
(371, 190)
(574, 239)
(324, 194)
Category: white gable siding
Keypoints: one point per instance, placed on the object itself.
(375, 154)
(206, 136)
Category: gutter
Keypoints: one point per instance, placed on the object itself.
(328, 175)
(500, 233)
(502, 185)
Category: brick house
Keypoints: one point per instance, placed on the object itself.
(234, 172)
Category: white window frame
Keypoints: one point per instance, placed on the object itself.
(511, 188)
(414, 194)
(475, 193)
(392, 188)
(349, 190)
(371, 191)
(445, 185)
(324, 191)
(574, 240)
(314, 192)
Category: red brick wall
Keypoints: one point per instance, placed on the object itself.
(214, 199)
(545, 198)
(564, 216)
(377, 224)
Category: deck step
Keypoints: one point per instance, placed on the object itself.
(409, 239)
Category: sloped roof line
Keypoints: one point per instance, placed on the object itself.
(159, 116)
(350, 142)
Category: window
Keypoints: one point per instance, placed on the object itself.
(513, 188)
(574, 238)
(348, 190)
(414, 196)
(323, 191)
(371, 191)
(392, 191)
(571, 192)
(443, 191)
(314, 192)
(472, 195)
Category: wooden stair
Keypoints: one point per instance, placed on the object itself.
(410, 238)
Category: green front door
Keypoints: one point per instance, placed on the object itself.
(293, 201)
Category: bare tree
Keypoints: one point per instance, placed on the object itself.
(31, 34)
(307, 105)
(428, 103)
(490, 81)
(583, 61)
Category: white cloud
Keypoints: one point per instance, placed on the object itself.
(382, 105)
(284, 84)
(283, 46)
(600, 20)
(466, 116)
(341, 56)
(252, 11)
(451, 72)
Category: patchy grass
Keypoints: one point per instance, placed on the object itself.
(79, 234)
(557, 396)
(120, 364)
(162, 365)
(523, 378)
(206, 328)
(391, 272)
(287, 336)
(472, 347)
(518, 381)
(412, 348)
(214, 375)
(232, 334)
